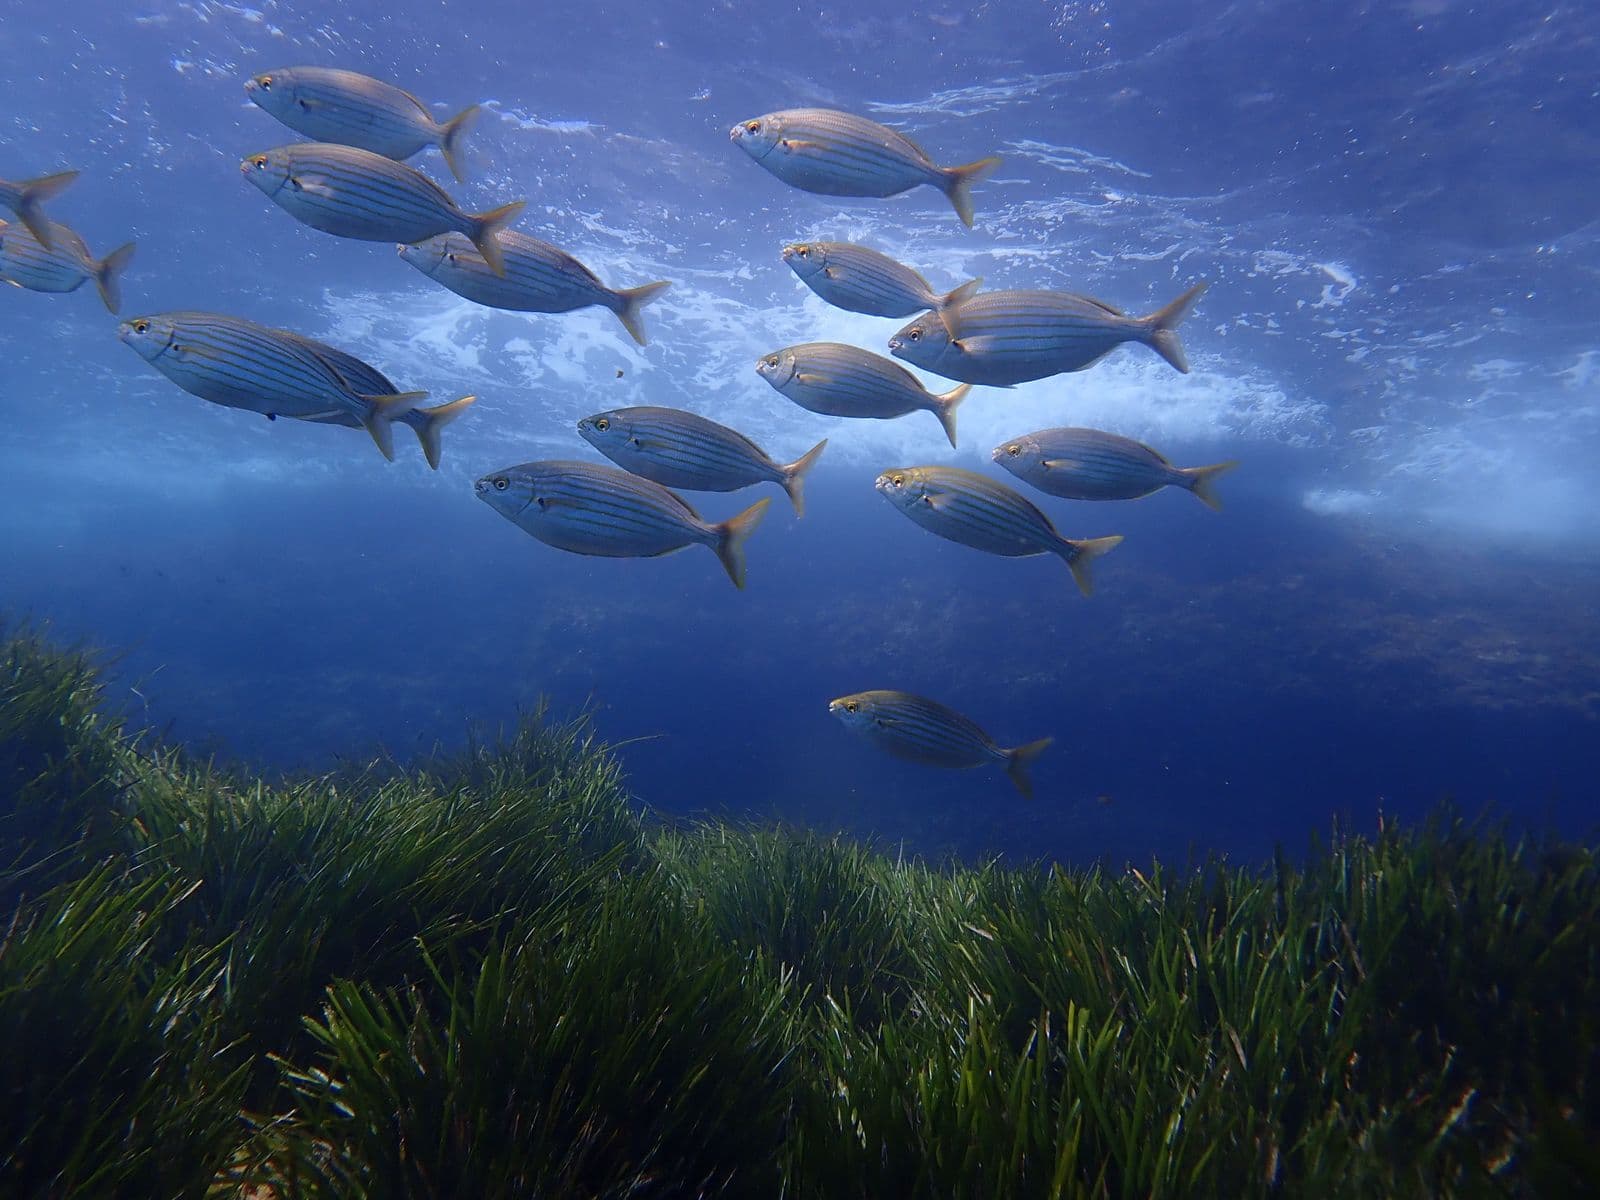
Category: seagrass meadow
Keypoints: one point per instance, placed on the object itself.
(490, 975)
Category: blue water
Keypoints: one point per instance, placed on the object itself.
(1395, 208)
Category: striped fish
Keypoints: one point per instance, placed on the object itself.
(840, 154)
(1010, 337)
(682, 450)
(239, 364)
(592, 509)
(352, 109)
(976, 511)
(538, 277)
(844, 381)
(860, 280)
(1089, 464)
(925, 731)
(358, 194)
(27, 198)
(62, 264)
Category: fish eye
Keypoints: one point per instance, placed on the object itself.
(266, 83)
(851, 706)
(1013, 449)
(602, 424)
(802, 251)
(259, 162)
(772, 363)
(752, 126)
(501, 483)
(141, 326)
(897, 480)
(914, 333)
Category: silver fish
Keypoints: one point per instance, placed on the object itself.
(538, 277)
(1090, 464)
(329, 105)
(1008, 337)
(844, 381)
(27, 198)
(62, 265)
(860, 280)
(239, 364)
(592, 509)
(358, 194)
(683, 450)
(840, 154)
(976, 511)
(925, 731)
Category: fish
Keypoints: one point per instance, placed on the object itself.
(351, 109)
(1090, 464)
(588, 508)
(925, 731)
(683, 450)
(840, 154)
(239, 364)
(1007, 337)
(537, 277)
(358, 194)
(843, 381)
(976, 511)
(27, 198)
(62, 264)
(860, 280)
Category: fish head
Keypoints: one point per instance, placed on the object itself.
(150, 336)
(805, 259)
(758, 135)
(430, 255)
(901, 486)
(856, 711)
(1019, 455)
(778, 368)
(924, 342)
(605, 429)
(275, 92)
(507, 491)
(269, 170)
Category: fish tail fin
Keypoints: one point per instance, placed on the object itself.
(959, 295)
(794, 476)
(432, 421)
(1163, 326)
(958, 183)
(629, 301)
(1080, 554)
(385, 411)
(731, 537)
(1201, 478)
(451, 145)
(108, 275)
(30, 203)
(485, 226)
(1019, 759)
(944, 407)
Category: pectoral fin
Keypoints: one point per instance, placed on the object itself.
(814, 378)
(799, 144)
(1060, 464)
(312, 185)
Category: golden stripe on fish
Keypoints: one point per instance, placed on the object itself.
(838, 380)
(860, 280)
(1090, 464)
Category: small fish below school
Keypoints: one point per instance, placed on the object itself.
(538, 277)
(351, 109)
(239, 364)
(588, 508)
(357, 194)
(974, 510)
(1008, 337)
(684, 450)
(837, 380)
(857, 279)
(1090, 464)
(26, 198)
(63, 265)
(837, 153)
(925, 731)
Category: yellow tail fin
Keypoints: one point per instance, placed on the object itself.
(960, 295)
(384, 412)
(450, 145)
(1163, 326)
(428, 422)
(486, 225)
(1201, 479)
(630, 300)
(1085, 552)
(108, 275)
(944, 407)
(794, 476)
(958, 183)
(731, 535)
(1017, 762)
(32, 195)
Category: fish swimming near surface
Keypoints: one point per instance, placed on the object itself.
(239, 364)
(680, 449)
(538, 277)
(844, 381)
(27, 198)
(351, 109)
(62, 265)
(1090, 464)
(976, 511)
(588, 508)
(840, 154)
(925, 731)
(355, 193)
(1007, 337)
(860, 280)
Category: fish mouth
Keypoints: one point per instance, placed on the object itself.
(736, 132)
(481, 487)
(896, 345)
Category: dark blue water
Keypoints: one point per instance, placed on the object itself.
(1394, 206)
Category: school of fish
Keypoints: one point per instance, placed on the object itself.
(351, 180)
